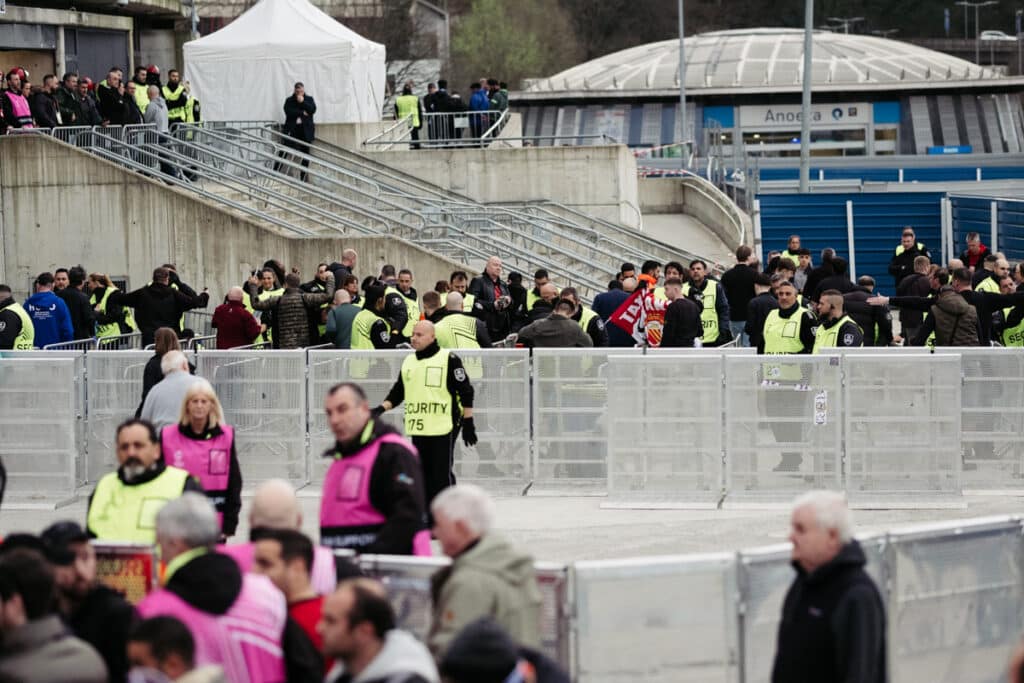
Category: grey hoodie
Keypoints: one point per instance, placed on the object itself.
(402, 659)
(156, 112)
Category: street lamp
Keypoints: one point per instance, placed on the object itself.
(845, 22)
(977, 27)
(805, 102)
(682, 92)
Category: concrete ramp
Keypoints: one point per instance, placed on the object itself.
(688, 234)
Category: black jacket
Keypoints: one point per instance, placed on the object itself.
(82, 315)
(157, 305)
(872, 319)
(833, 625)
(298, 118)
(757, 311)
(840, 283)
(985, 303)
(902, 264)
(595, 330)
(10, 325)
(213, 582)
(815, 277)
(396, 490)
(44, 109)
(111, 104)
(915, 284)
(738, 283)
(104, 619)
(682, 324)
(499, 323)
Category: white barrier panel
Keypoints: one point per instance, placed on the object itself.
(956, 600)
(263, 394)
(765, 575)
(783, 427)
(570, 427)
(902, 415)
(665, 430)
(38, 427)
(992, 422)
(657, 620)
(407, 580)
(374, 371)
(114, 393)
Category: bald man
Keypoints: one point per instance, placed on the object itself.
(338, 326)
(835, 329)
(459, 330)
(235, 325)
(275, 507)
(492, 300)
(545, 306)
(438, 402)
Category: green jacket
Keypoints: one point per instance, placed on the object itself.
(489, 579)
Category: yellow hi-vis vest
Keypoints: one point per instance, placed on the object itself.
(709, 316)
(178, 114)
(26, 338)
(1013, 336)
(826, 338)
(408, 105)
(987, 285)
(458, 331)
(782, 336)
(428, 404)
(586, 317)
(119, 512)
(263, 296)
(362, 325)
(412, 311)
(659, 294)
(531, 299)
(111, 329)
(142, 97)
(467, 303)
(900, 249)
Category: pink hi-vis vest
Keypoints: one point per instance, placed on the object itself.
(20, 108)
(347, 517)
(208, 460)
(245, 641)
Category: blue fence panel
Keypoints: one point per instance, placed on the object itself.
(878, 218)
(1010, 215)
(891, 174)
(970, 214)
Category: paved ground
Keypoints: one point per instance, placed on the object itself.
(577, 528)
(687, 233)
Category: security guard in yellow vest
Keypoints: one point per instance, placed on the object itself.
(17, 333)
(125, 503)
(788, 330)
(408, 293)
(540, 278)
(438, 402)
(269, 288)
(590, 322)
(834, 328)
(1000, 269)
(176, 95)
(408, 106)
(369, 331)
(111, 321)
(1013, 327)
(715, 316)
(792, 249)
(459, 282)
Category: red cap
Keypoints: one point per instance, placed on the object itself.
(152, 69)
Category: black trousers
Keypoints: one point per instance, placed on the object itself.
(437, 454)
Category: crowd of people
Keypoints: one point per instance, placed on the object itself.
(487, 100)
(77, 100)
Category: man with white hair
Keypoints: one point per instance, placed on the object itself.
(274, 506)
(833, 618)
(238, 620)
(492, 300)
(487, 576)
(163, 403)
(235, 325)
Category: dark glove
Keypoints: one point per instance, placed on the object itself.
(377, 412)
(468, 431)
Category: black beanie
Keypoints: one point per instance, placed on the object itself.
(481, 653)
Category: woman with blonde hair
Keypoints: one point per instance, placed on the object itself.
(118, 319)
(204, 445)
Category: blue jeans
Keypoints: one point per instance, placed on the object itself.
(736, 327)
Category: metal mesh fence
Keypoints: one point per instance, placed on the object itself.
(992, 421)
(39, 426)
(956, 600)
(902, 416)
(263, 394)
(114, 393)
(665, 429)
(646, 608)
(570, 429)
(783, 426)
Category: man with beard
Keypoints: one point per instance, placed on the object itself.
(95, 613)
(124, 505)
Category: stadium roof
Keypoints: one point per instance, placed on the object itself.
(766, 60)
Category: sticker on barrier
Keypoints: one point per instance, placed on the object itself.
(130, 569)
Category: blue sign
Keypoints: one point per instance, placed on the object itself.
(945, 20)
(951, 149)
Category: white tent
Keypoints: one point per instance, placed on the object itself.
(244, 71)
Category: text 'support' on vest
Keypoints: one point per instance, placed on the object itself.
(347, 517)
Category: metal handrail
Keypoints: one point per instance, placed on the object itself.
(132, 340)
(73, 345)
(709, 191)
(195, 343)
(405, 123)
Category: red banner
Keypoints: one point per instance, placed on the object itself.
(641, 316)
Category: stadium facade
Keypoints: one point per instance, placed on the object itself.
(872, 96)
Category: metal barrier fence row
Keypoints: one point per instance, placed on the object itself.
(953, 592)
(674, 427)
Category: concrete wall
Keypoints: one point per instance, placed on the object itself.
(60, 206)
(699, 199)
(660, 195)
(600, 180)
(350, 135)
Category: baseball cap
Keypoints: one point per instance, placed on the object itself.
(58, 536)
